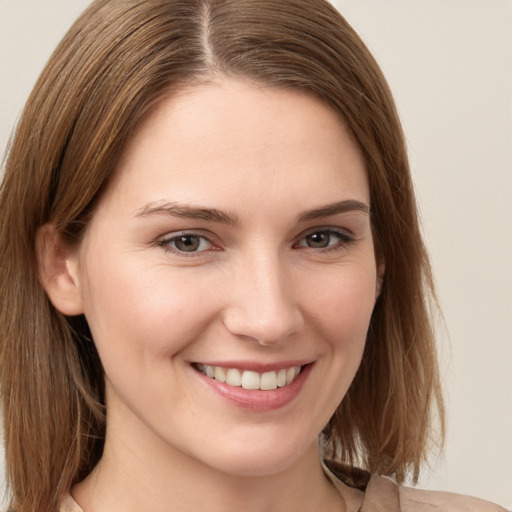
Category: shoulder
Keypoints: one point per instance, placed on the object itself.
(416, 500)
(383, 494)
(408, 499)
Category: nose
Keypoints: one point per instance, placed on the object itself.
(262, 305)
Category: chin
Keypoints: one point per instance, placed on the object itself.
(256, 460)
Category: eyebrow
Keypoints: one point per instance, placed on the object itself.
(214, 215)
(188, 212)
(321, 212)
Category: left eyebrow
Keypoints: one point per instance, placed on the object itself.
(349, 205)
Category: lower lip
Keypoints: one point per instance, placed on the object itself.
(256, 399)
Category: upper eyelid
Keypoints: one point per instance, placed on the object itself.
(333, 229)
(207, 235)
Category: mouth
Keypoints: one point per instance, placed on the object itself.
(248, 379)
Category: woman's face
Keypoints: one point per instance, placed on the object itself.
(234, 243)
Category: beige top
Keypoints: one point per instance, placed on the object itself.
(381, 494)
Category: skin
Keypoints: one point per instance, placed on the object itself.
(260, 289)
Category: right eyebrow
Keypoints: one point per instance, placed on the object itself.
(186, 211)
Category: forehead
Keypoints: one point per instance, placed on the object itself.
(234, 139)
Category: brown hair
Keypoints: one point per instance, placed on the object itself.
(118, 59)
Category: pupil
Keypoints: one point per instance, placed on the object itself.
(318, 240)
(187, 243)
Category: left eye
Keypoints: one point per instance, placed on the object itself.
(187, 243)
(323, 239)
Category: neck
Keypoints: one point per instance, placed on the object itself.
(161, 481)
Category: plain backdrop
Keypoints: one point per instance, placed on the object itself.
(449, 64)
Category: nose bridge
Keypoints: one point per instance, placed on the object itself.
(263, 305)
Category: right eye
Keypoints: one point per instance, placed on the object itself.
(188, 243)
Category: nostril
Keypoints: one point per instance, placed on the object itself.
(266, 328)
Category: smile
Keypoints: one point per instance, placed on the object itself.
(248, 379)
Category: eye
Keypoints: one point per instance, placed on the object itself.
(186, 243)
(325, 239)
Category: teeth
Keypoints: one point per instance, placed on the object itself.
(233, 377)
(249, 379)
(268, 381)
(219, 374)
(290, 375)
(281, 378)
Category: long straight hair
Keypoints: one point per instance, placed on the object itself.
(117, 60)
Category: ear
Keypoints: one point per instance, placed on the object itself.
(381, 270)
(58, 270)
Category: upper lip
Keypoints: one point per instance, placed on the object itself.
(256, 366)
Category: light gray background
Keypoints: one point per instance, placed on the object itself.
(449, 63)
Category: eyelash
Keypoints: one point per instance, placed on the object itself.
(166, 243)
(343, 240)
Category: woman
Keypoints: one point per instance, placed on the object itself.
(212, 272)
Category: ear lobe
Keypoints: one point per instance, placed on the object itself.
(58, 271)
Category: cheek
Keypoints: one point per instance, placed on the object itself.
(343, 303)
(340, 311)
(140, 312)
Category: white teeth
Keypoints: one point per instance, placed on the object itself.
(249, 379)
(233, 377)
(268, 381)
(220, 374)
(281, 378)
